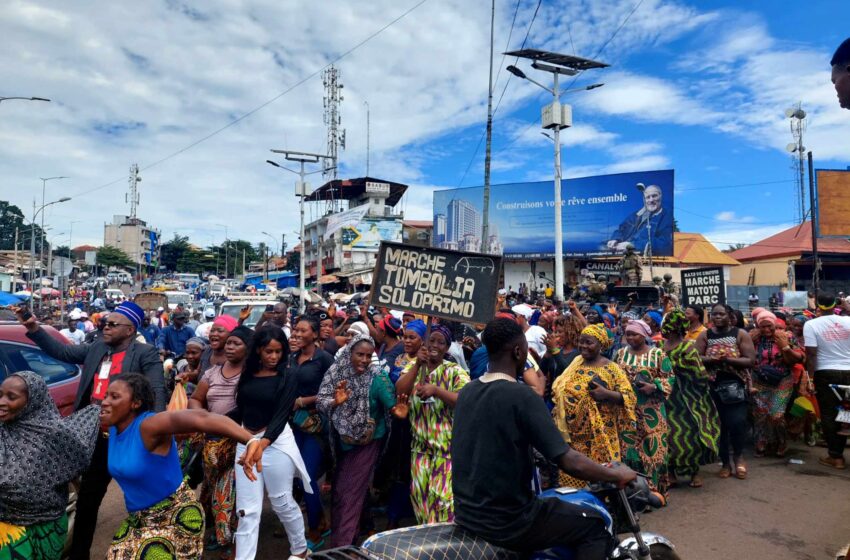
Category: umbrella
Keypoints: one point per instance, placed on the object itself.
(340, 297)
(49, 292)
(9, 299)
(24, 294)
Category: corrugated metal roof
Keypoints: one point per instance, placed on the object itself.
(793, 241)
(694, 249)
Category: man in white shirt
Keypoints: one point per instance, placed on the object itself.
(72, 333)
(827, 339)
(533, 334)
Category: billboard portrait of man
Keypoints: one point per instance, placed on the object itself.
(634, 228)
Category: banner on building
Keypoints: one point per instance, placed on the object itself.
(349, 218)
(833, 203)
(607, 268)
(601, 215)
(369, 233)
(703, 286)
(453, 285)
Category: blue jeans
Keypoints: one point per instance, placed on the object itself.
(314, 459)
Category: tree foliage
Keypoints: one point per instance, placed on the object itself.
(112, 256)
(179, 255)
(12, 217)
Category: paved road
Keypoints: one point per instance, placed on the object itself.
(782, 512)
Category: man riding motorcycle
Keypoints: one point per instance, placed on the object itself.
(497, 423)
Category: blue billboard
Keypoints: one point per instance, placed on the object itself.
(601, 215)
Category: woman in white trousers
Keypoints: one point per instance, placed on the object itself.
(265, 398)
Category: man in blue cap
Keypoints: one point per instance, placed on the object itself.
(117, 351)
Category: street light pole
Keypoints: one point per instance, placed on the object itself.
(556, 116)
(43, 193)
(301, 192)
(226, 247)
(32, 242)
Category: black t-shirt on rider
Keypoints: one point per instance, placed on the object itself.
(495, 427)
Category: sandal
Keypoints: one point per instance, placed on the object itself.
(741, 472)
(696, 481)
(725, 471)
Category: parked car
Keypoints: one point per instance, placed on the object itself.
(18, 353)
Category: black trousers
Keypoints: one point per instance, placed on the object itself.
(92, 490)
(558, 523)
(827, 401)
(733, 428)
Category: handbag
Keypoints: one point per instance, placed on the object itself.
(309, 421)
(730, 392)
(770, 375)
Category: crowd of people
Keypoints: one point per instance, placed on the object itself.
(357, 411)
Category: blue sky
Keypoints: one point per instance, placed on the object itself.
(699, 87)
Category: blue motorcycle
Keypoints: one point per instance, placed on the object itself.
(446, 541)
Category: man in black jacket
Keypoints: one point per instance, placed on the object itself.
(117, 351)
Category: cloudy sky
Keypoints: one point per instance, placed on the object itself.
(198, 93)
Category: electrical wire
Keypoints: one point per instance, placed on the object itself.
(264, 104)
(577, 76)
(484, 133)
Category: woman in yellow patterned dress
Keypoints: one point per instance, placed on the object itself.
(650, 373)
(594, 403)
(432, 398)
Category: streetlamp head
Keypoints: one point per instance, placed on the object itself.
(594, 86)
(39, 99)
(516, 71)
(64, 199)
(270, 162)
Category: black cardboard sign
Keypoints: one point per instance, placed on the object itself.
(703, 286)
(437, 282)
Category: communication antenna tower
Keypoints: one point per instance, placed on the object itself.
(132, 197)
(797, 116)
(333, 121)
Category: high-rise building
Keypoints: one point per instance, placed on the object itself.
(462, 219)
(439, 229)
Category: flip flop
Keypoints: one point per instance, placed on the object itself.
(696, 482)
(725, 472)
(741, 472)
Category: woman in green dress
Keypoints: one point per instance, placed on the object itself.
(691, 414)
(649, 371)
(40, 453)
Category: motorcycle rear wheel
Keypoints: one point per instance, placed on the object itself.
(660, 551)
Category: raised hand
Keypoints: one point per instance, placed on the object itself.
(244, 313)
(342, 393)
(402, 407)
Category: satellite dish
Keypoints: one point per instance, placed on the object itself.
(792, 147)
(789, 112)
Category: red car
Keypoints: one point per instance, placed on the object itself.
(18, 353)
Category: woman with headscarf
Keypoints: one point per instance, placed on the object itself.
(394, 469)
(40, 453)
(561, 350)
(594, 403)
(691, 414)
(430, 386)
(654, 319)
(728, 354)
(777, 351)
(189, 367)
(649, 371)
(213, 355)
(217, 393)
(356, 396)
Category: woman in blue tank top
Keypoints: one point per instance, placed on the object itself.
(165, 521)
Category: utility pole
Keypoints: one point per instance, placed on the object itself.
(485, 222)
(367, 137)
(301, 192)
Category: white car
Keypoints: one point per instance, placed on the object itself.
(257, 306)
(115, 295)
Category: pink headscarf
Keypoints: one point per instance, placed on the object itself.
(226, 321)
(756, 312)
(765, 317)
(639, 326)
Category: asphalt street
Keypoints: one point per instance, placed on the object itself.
(782, 511)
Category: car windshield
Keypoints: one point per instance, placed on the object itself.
(253, 318)
(179, 299)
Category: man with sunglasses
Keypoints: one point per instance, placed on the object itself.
(116, 351)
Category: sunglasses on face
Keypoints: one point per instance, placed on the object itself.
(113, 324)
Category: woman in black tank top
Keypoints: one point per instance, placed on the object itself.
(728, 355)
